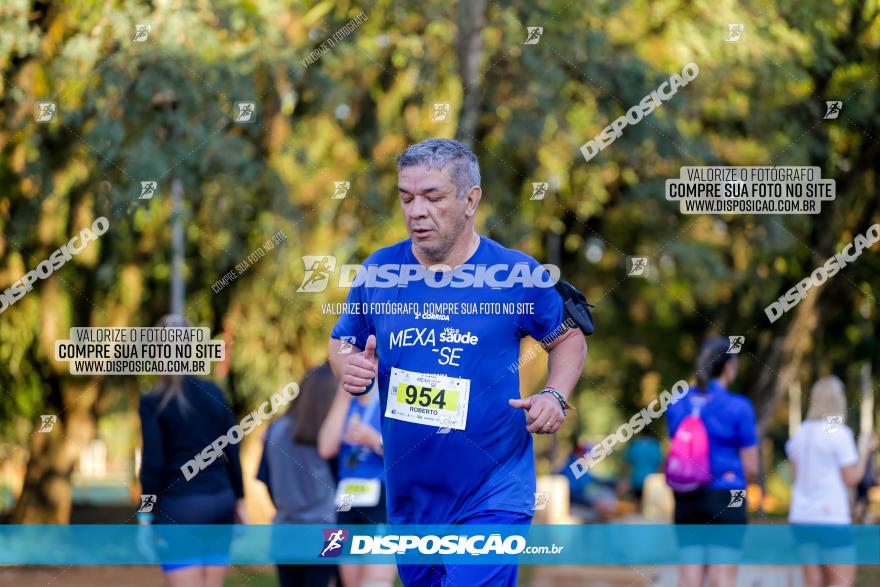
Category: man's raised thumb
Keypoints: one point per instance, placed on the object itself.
(370, 348)
(520, 403)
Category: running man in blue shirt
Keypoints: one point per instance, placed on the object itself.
(456, 434)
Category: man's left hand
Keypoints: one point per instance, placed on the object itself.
(543, 413)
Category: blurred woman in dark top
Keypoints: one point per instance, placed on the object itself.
(181, 416)
(301, 483)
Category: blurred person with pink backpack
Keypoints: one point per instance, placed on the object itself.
(713, 455)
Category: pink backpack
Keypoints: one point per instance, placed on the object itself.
(687, 466)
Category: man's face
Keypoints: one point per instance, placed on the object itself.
(435, 216)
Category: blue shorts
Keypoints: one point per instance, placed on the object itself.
(830, 544)
(467, 575)
(213, 508)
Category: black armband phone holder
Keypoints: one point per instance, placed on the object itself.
(576, 306)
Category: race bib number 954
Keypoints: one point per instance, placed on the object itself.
(428, 398)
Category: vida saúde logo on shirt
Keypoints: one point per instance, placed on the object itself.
(334, 541)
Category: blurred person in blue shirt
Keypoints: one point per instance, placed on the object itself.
(643, 457)
(729, 421)
(351, 434)
(592, 498)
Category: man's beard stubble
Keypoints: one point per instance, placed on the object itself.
(438, 253)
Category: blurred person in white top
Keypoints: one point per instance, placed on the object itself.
(826, 462)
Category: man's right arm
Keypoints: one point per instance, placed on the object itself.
(353, 326)
(356, 371)
(338, 361)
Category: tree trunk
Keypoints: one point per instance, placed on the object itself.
(47, 494)
(785, 359)
(785, 353)
(471, 18)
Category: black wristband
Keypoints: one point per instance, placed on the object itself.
(366, 391)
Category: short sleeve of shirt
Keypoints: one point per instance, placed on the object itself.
(747, 429)
(671, 425)
(263, 469)
(675, 412)
(547, 311)
(792, 448)
(354, 323)
(845, 447)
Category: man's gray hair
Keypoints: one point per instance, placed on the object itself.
(464, 170)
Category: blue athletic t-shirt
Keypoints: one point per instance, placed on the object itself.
(729, 419)
(360, 461)
(434, 474)
(644, 457)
